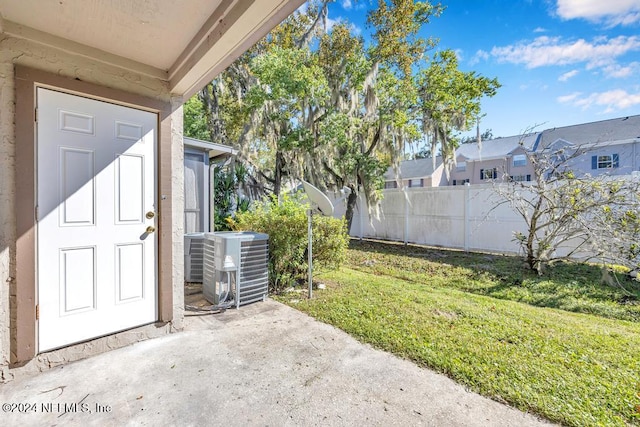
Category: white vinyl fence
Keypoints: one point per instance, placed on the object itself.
(467, 217)
(462, 217)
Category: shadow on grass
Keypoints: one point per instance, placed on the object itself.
(568, 286)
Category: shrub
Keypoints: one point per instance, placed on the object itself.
(228, 180)
(286, 225)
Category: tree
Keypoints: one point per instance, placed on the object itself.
(229, 196)
(449, 101)
(423, 153)
(487, 134)
(291, 88)
(195, 120)
(255, 103)
(325, 107)
(371, 114)
(569, 216)
(363, 126)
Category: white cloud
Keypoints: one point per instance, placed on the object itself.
(332, 22)
(566, 99)
(355, 29)
(545, 51)
(618, 71)
(566, 76)
(346, 4)
(459, 55)
(613, 100)
(611, 12)
(340, 20)
(540, 30)
(480, 55)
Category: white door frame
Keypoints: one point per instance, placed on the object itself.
(107, 306)
(23, 332)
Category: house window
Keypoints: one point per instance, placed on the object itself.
(521, 178)
(488, 174)
(461, 166)
(460, 181)
(390, 184)
(419, 182)
(519, 160)
(609, 161)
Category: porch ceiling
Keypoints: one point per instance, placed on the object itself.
(186, 42)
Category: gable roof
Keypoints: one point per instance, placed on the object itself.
(621, 129)
(496, 148)
(417, 168)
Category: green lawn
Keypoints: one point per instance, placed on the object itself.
(490, 324)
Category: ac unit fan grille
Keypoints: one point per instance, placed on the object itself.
(254, 272)
(249, 279)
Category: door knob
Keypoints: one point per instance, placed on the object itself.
(150, 229)
(150, 214)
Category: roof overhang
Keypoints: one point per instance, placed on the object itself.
(593, 145)
(186, 43)
(488, 158)
(212, 148)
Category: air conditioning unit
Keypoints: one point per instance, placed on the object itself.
(193, 257)
(235, 268)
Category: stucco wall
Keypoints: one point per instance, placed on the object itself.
(7, 197)
(19, 51)
(177, 182)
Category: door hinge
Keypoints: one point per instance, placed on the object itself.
(37, 311)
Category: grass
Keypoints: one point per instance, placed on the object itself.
(490, 324)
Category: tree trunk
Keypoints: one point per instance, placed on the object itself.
(532, 260)
(210, 98)
(278, 173)
(351, 204)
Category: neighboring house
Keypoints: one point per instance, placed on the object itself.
(492, 159)
(200, 157)
(609, 147)
(416, 173)
(91, 165)
(605, 147)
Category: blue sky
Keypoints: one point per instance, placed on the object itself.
(560, 62)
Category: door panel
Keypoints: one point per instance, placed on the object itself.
(129, 189)
(129, 272)
(96, 180)
(77, 280)
(77, 187)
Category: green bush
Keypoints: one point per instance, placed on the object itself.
(286, 225)
(227, 200)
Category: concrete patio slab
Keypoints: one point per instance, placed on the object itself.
(263, 365)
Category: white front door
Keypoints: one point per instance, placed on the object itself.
(96, 190)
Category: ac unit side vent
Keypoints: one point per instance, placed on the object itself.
(193, 257)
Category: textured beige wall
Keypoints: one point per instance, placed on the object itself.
(15, 51)
(177, 182)
(30, 54)
(7, 198)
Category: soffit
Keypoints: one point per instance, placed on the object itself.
(182, 41)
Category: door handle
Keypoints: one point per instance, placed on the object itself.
(150, 214)
(150, 229)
